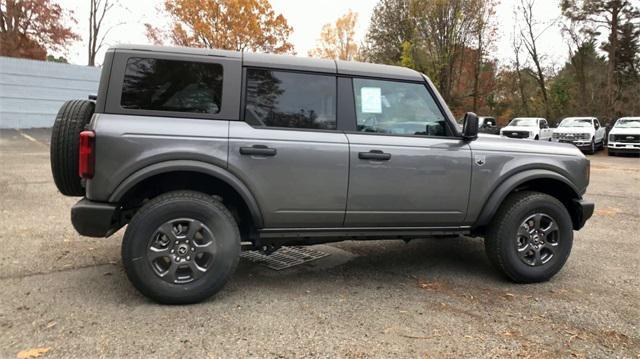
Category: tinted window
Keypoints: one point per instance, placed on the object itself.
(168, 85)
(399, 108)
(287, 99)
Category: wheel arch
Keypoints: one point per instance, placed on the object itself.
(187, 174)
(540, 180)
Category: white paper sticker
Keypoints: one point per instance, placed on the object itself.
(371, 98)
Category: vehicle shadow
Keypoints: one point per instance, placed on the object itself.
(367, 265)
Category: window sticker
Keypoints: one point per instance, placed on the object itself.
(371, 99)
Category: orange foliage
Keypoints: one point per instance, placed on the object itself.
(463, 91)
(337, 41)
(29, 27)
(224, 24)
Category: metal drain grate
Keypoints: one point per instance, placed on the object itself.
(285, 257)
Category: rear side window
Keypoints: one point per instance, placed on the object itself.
(289, 99)
(170, 85)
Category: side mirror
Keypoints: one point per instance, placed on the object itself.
(470, 126)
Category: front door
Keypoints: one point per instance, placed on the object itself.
(406, 167)
(288, 151)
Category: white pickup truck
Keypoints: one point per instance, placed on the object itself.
(533, 128)
(586, 133)
(624, 137)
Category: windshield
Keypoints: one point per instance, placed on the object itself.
(525, 122)
(576, 122)
(628, 123)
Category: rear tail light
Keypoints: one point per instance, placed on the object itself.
(86, 161)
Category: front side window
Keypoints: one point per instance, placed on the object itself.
(170, 85)
(289, 99)
(398, 108)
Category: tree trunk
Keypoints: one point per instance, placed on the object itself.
(611, 70)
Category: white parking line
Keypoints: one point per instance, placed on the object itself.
(30, 138)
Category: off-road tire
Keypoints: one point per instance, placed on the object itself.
(71, 119)
(167, 207)
(500, 242)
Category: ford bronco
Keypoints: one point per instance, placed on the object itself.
(204, 152)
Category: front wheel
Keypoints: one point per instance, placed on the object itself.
(181, 247)
(530, 238)
(592, 148)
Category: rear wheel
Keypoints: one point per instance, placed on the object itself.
(181, 247)
(530, 238)
(72, 117)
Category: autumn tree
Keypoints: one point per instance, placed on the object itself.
(442, 31)
(98, 9)
(390, 33)
(447, 40)
(30, 28)
(484, 32)
(224, 24)
(337, 40)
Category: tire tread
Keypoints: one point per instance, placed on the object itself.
(501, 221)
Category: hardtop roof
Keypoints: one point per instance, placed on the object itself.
(289, 62)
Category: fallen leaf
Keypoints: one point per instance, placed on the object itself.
(32, 353)
(508, 296)
(418, 336)
(51, 324)
(430, 285)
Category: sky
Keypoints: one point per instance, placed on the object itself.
(307, 18)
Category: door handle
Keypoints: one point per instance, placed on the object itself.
(258, 150)
(375, 155)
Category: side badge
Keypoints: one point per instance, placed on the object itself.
(480, 160)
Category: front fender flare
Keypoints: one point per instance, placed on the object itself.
(512, 182)
(194, 166)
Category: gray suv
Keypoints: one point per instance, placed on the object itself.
(204, 152)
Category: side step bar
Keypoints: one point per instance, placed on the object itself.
(360, 232)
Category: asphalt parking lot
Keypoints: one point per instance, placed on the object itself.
(427, 298)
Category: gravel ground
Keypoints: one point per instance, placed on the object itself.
(427, 298)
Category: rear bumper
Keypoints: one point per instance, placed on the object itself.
(94, 219)
(582, 211)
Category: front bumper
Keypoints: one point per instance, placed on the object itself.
(581, 144)
(582, 211)
(94, 219)
(623, 147)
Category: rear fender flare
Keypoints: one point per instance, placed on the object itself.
(194, 166)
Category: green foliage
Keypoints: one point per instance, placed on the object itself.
(60, 59)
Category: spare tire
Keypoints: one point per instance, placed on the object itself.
(72, 117)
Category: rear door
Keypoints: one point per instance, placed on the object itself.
(287, 149)
(407, 168)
